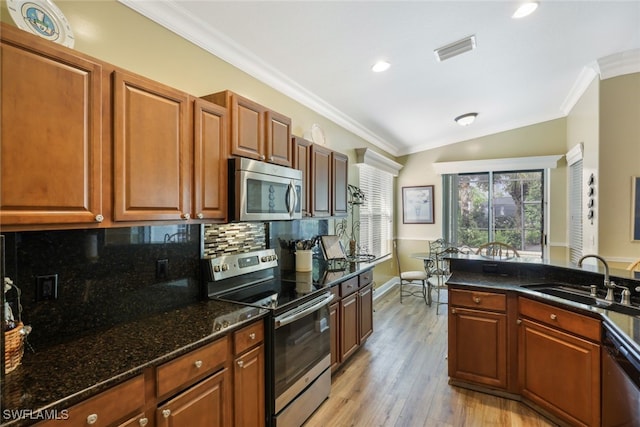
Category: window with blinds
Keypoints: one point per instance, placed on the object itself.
(575, 211)
(376, 214)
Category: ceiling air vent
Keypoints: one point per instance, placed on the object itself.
(456, 48)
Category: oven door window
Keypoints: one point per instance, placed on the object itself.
(299, 346)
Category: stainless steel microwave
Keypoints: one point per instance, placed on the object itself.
(260, 191)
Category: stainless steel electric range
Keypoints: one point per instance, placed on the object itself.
(298, 378)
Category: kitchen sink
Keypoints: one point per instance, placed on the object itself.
(582, 295)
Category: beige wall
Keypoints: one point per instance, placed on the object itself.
(547, 138)
(619, 150)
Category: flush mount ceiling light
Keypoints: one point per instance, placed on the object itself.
(456, 48)
(380, 66)
(525, 9)
(466, 119)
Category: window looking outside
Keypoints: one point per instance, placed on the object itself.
(376, 214)
(495, 206)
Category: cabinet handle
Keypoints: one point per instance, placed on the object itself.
(252, 335)
(91, 419)
(240, 363)
(143, 422)
(166, 413)
(198, 364)
(553, 317)
(477, 300)
(200, 215)
(99, 218)
(186, 216)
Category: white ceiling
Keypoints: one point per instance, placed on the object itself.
(320, 52)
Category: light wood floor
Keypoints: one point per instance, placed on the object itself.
(399, 378)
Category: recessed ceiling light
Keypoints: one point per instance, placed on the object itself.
(466, 119)
(380, 66)
(525, 9)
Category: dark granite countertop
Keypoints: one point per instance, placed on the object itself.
(63, 375)
(532, 273)
(329, 273)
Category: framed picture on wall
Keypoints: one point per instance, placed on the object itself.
(417, 205)
(635, 208)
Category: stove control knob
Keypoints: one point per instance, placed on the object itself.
(225, 267)
(216, 268)
(264, 258)
(217, 327)
(225, 324)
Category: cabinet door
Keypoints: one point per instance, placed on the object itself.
(206, 404)
(247, 128)
(151, 156)
(478, 346)
(51, 133)
(349, 325)
(210, 161)
(365, 296)
(320, 181)
(248, 385)
(339, 181)
(560, 373)
(278, 139)
(334, 325)
(301, 149)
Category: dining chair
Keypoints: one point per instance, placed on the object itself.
(411, 278)
(438, 269)
(499, 250)
(634, 266)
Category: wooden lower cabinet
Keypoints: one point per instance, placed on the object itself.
(334, 321)
(206, 404)
(558, 370)
(350, 341)
(249, 377)
(365, 304)
(478, 347)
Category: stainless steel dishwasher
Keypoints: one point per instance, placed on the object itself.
(620, 381)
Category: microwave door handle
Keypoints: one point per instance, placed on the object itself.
(291, 198)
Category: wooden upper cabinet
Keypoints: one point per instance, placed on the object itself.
(278, 139)
(51, 133)
(339, 182)
(255, 131)
(210, 161)
(301, 160)
(151, 152)
(320, 178)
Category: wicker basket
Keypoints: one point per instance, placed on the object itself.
(13, 347)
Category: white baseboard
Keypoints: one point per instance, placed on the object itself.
(385, 287)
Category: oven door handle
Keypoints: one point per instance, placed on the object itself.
(303, 310)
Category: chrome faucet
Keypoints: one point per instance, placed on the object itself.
(609, 286)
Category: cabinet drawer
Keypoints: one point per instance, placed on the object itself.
(478, 300)
(106, 408)
(556, 317)
(366, 278)
(248, 337)
(335, 291)
(184, 370)
(348, 287)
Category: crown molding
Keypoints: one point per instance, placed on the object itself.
(369, 157)
(198, 32)
(618, 64)
(575, 154)
(496, 165)
(580, 86)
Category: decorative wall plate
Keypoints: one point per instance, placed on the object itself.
(317, 134)
(43, 18)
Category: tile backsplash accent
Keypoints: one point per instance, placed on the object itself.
(221, 239)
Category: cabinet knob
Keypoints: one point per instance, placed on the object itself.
(186, 216)
(99, 218)
(453, 311)
(262, 157)
(271, 159)
(200, 215)
(553, 316)
(519, 321)
(198, 364)
(252, 335)
(240, 363)
(476, 300)
(166, 413)
(143, 422)
(92, 419)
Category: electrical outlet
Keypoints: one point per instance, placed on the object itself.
(47, 287)
(162, 269)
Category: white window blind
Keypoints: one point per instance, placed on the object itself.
(376, 214)
(575, 211)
